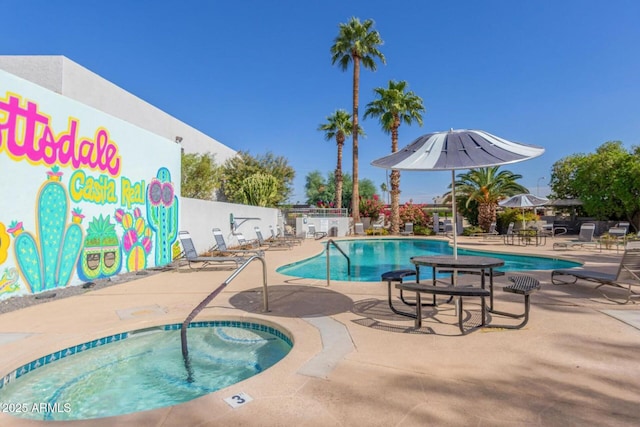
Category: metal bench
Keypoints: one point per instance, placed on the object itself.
(453, 291)
(522, 285)
(398, 276)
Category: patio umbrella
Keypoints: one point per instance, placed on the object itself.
(524, 201)
(457, 149)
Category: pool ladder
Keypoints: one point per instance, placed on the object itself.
(207, 300)
(332, 242)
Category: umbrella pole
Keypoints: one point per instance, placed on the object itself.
(455, 219)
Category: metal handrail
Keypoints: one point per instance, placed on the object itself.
(207, 300)
(331, 241)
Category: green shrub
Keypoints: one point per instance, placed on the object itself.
(470, 231)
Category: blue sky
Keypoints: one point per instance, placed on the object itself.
(257, 75)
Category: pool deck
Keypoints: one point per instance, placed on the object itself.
(355, 363)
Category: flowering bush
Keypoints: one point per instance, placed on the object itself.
(371, 207)
(325, 204)
(413, 213)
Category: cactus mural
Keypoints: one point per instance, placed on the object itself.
(47, 260)
(162, 214)
(101, 254)
(136, 240)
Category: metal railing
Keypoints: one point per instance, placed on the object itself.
(332, 242)
(207, 300)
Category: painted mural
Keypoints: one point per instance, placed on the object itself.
(83, 195)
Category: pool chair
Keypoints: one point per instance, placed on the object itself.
(193, 259)
(316, 234)
(221, 247)
(491, 234)
(246, 244)
(278, 236)
(628, 275)
(510, 236)
(408, 229)
(378, 225)
(358, 229)
(271, 244)
(585, 238)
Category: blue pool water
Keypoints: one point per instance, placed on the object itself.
(372, 257)
(141, 370)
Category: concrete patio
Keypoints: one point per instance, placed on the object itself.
(355, 363)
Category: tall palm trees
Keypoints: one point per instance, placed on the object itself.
(338, 126)
(487, 187)
(356, 42)
(394, 106)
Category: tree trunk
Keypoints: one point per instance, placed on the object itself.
(355, 202)
(395, 202)
(395, 180)
(339, 174)
(485, 217)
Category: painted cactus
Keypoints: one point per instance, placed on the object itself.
(136, 240)
(47, 261)
(162, 214)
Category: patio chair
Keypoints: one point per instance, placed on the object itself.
(271, 244)
(378, 225)
(280, 236)
(221, 246)
(358, 229)
(408, 229)
(628, 275)
(510, 236)
(246, 244)
(617, 237)
(192, 257)
(624, 224)
(316, 234)
(491, 234)
(585, 238)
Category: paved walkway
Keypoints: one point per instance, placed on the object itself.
(355, 363)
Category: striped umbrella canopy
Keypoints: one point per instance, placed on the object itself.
(457, 149)
(524, 201)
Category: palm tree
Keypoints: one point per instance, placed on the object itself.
(385, 189)
(487, 187)
(338, 126)
(394, 106)
(358, 43)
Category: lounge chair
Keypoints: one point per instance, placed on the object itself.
(408, 229)
(628, 275)
(378, 225)
(271, 244)
(312, 232)
(510, 236)
(358, 229)
(246, 244)
(192, 257)
(492, 233)
(221, 247)
(585, 238)
(278, 236)
(617, 236)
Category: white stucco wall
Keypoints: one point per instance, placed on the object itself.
(199, 217)
(63, 76)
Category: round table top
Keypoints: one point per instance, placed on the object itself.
(462, 261)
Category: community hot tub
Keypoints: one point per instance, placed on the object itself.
(141, 370)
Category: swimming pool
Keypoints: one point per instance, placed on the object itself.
(372, 257)
(140, 370)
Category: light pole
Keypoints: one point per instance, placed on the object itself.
(538, 186)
